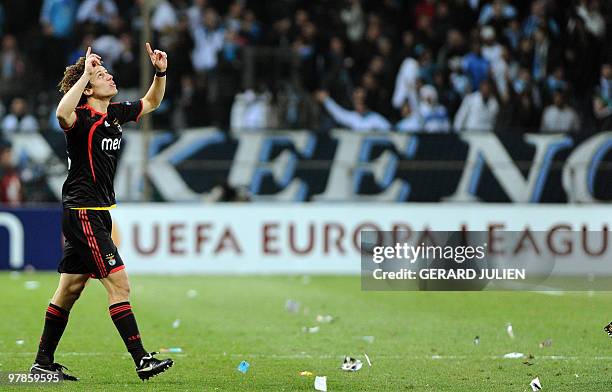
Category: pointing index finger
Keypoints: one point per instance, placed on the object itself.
(149, 49)
(88, 51)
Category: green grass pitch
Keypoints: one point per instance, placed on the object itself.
(422, 341)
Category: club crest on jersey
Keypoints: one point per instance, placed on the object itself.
(110, 259)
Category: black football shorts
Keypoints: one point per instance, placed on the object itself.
(89, 248)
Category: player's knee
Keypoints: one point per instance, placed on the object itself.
(120, 291)
(72, 291)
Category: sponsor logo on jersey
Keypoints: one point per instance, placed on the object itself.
(111, 143)
(116, 123)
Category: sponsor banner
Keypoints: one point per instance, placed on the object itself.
(289, 238)
(325, 238)
(30, 237)
(301, 165)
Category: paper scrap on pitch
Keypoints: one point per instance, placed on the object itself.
(535, 384)
(367, 359)
(176, 323)
(306, 373)
(369, 339)
(292, 306)
(351, 364)
(243, 367)
(514, 355)
(192, 293)
(546, 343)
(19, 342)
(320, 383)
(510, 331)
(476, 341)
(314, 329)
(324, 318)
(31, 285)
(171, 350)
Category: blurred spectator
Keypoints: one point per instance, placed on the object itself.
(603, 114)
(539, 18)
(57, 17)
(589, 11)
(411, 121)
(252, 111)
(18, 120)
(97, 12)
(164, 17)
(434, 115)
(10, 184)
(476, 66)
(605, 84)
(12, 67)
(361, 119)
(195, 13)
(496, 12)
(559, 117)
(406, 80)
(478, 111)
(354, 19)
(208, 40)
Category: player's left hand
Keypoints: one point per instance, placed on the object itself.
(159, 58)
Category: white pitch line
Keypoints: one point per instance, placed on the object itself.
(329, 356)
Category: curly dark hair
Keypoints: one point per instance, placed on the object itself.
(71, 76)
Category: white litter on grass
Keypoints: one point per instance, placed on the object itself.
(535, 384)
(546, 343)
(476, 341)
(367, 359)
(514, 355)
(292, 306)
(351, 364)
(20, 342)
(320, 383)
(31, 285)
(176, 323)
(314, 329)
(510, 331)
(192, 293)
(324, 318)
(305, 279)
(369, 339)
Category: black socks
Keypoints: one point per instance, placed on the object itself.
(56, 320)
(124, 320)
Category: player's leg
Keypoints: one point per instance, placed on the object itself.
(56, 318)
(118, 288)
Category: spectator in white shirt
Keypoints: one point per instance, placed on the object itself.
(411, 121)
(208, 41)
(360, 119)
(559, 117)
(18, 120)
(97, 11)
(434, 115)
(478, 111)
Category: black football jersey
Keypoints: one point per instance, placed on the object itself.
(93, 145)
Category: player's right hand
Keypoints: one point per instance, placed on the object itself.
(92, 61)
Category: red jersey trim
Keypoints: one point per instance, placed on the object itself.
(89, 141)
(92, 110)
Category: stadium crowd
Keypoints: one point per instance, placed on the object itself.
(423, 65)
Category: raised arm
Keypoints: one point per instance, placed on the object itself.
(65, 109)
(154, 96)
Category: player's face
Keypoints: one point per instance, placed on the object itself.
(102, 84)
